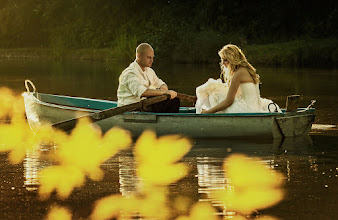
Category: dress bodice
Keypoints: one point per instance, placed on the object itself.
(248, 91)
(247, 98)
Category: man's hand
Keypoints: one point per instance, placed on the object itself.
(172, 93)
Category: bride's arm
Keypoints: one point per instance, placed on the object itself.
(235, 82)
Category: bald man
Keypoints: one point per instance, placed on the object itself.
(139, 81)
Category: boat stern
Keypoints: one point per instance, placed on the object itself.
(296, 124)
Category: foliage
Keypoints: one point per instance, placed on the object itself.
(295, 53)
(124, 45)
(195, 28)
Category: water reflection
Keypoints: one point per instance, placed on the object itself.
(206, 164)
(273, 153)
(33, 163)
(129, 182)
(298, 159)
(210, 178)
(31, 168)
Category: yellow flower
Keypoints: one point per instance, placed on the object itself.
(157, 158)
(200, 211)
(157, 166)
(10, 104)
(60, 178)
(81, 154)
(247, 172)
(17, 138)
(113, 207)
(87, 149)
(251, 185)
(59, 213)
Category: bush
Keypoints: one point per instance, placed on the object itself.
(310, 52)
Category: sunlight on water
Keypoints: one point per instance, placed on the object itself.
(31, 165)
(210, 178)
(323, 127)
(238, 186)
(129, 182)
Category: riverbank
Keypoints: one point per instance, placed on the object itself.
(103, 54)
(314, 53)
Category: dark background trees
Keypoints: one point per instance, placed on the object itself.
(191, 27)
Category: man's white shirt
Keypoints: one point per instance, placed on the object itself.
(133, 82)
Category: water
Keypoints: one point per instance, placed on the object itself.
(309, 164)
(100, 80)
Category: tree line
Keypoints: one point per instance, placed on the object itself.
(193, 28)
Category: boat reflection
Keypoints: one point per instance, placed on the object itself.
(206, 164)
(205, 161)
(275, 154)
(251, 147)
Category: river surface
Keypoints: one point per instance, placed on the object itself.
(309, 164)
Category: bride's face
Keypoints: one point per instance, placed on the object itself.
(225, 62)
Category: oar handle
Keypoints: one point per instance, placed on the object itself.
(119, 110)
(186, 97)
(97, 116)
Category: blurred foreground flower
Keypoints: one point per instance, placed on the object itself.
(81, 154)
(148, 206)
(157, 167)
(16, 137)
(10, 104)
(157, 158)
(112, 207)
(59, 213)
(252, 186)
(201, 211)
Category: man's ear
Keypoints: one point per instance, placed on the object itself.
(138, 56)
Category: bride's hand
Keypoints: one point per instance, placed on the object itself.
(204, 111)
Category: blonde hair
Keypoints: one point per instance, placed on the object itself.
(143, 47)
(236, 59)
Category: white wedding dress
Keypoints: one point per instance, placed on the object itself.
(247, 98)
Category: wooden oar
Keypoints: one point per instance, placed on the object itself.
(186, 97)
(97, 116)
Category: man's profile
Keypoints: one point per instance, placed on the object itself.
(139, 81)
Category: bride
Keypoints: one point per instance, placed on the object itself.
(238, 89)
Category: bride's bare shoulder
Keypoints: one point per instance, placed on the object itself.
(241, 71)
(243, 75)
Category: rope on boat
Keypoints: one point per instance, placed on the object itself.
(276, 108)
(309, 106)
(27, 83)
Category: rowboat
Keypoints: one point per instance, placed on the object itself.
(41, 108)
